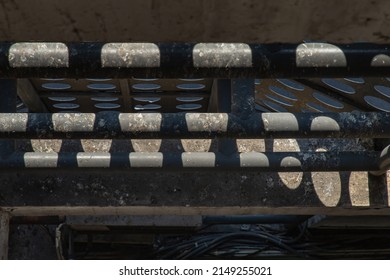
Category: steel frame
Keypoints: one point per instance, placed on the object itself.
(223, 60)
(189, 60)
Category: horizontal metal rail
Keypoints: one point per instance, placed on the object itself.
(280, 161)
(113, 125)
(187, 60)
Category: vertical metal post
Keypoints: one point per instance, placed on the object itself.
(8, 92)
(243, 97)
(377, 182)
(224, 95)
(4, 235)
(7, 105)
(224, 100)
(236, 96)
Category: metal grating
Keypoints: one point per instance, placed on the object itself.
(315, 64)
(185, 95)
(127, 95)
(323, 95)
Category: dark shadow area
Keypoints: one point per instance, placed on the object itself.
(121, 146)
(378, 191)
(69, 146)
(345, 186)
(32, 242)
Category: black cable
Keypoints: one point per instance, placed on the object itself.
(215, 243)
(206, 241)
(191, 241)
(47, 231)
(300, 235)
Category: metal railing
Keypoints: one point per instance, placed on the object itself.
(239, 62)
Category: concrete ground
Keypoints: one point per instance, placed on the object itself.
(197, 20)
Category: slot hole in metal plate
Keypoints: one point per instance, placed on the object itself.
(327, 100)
(188, 107)
(104, 99)
(273, 106)
(107, 106)
(191, 86)
(56, 86)
(377, 103)
(189, 99)
(283, 93)
(140, 107)
(278, 100)
(339, 86)
(101, 87)
(66, 106)
(146, 87)
(317, 107)
(62, 98)
(147, 99)
(291, 84)
(385, 91)
(355, 80)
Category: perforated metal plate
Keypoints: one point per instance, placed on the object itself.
(183, 95)
(129, 95)
(323, 95)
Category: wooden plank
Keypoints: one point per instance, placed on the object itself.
(4, 234)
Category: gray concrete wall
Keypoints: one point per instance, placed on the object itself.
(195, 20)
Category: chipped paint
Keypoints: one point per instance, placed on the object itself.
(55, 55)
(222, 55)
(320, 55)
(129, 55)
